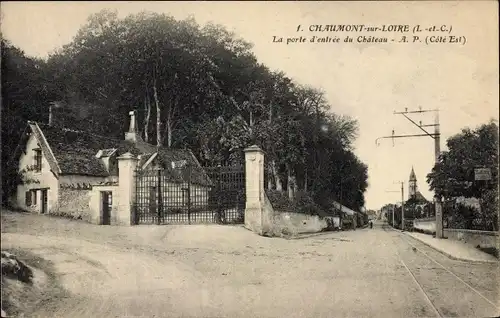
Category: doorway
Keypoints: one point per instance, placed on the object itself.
(43, 201)
(106, 204)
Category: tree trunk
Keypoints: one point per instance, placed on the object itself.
(294, 184)
(158, 114)
(277, 180)
(147, 106)
(305, 181)
(482, 210)
(169, 131)
(290, 183)
(269, 178)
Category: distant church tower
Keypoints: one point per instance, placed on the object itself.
(412, 191)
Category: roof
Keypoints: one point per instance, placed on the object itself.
(106, 152)
(412, 175)
(417, 198)
(343, 209)
(74, 152)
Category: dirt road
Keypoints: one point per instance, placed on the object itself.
(221, 271)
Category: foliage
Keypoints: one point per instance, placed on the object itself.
(489, 199)
(198, 87)
(25, 96)
(13, 268)
(397, 216)
(453, 176)
(459, 216)
(302, 203)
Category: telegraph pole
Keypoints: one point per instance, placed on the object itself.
(393, 209)
(402, 206)
(437, 198)
(437, 151)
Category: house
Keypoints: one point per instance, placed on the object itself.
(61, 169)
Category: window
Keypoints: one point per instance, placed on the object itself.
(27, 198)
(38, 160)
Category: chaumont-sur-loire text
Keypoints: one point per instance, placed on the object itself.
(401, 28)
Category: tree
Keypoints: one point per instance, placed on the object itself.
(453, 176)
(196, 87)
(25, 97)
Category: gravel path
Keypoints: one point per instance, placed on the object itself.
(227, 271)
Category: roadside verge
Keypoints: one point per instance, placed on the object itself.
(454, 249)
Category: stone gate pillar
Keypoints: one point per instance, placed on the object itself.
(254, 187)
(127, 163)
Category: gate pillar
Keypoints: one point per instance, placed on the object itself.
(127, 164)
(254, 187)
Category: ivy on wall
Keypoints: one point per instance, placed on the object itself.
(23, 178)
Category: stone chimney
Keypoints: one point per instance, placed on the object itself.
(52, 108)
(131, 134)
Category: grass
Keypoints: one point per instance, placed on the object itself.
(21, 297)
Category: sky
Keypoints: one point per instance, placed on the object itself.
(367, 81)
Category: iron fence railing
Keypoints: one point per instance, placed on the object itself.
(187, 195)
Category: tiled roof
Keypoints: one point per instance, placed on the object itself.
(75, 150)
(107, 152)
(143, 158)
(75, 153)
(343, 209)
(419, 197)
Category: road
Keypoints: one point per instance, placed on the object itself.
(227, 271)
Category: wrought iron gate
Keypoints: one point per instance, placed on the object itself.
(187, 195)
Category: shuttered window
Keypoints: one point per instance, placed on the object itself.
(38, 160)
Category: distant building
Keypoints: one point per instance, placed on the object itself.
(413, 194)
(416, 201)
(423, 207)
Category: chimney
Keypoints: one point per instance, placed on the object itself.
(131, 135)
(52, 106)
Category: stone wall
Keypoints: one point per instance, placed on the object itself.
(267, 218)
(297, 223)
(288, 223)
(427, 226)
(74, 203)
(482, 239)
(260, 217)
